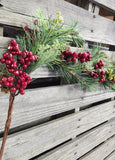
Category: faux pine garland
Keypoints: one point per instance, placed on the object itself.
(48, 43)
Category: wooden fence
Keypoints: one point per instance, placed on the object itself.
(54, 121)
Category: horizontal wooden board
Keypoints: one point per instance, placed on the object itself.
(90, 26)
(44, 102)
(102, 151)
(81, 145)
(108, 4)
(42, 72)
(111, 156)
(14, 19)
(4, 42)
(51, 134)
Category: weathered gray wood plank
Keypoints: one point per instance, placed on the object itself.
(1, 31)
(102, 151)
(108, 4)
(81, 145)
(50, 134)
(91, 26)
(14, 19)
(44, 102)
(111, 156)
(4, 42)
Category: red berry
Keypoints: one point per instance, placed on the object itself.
(32, 59)
(25, 74)
(16, 73)
(20, 72)
(14, 65)
(62, 56)
(24, 54)
(10, 84)
(84, 55)
(10, 47)
(102, 76)
(82, 60)
(10, 56)
(100, 61)
(8, 61)
(70, 54)
(88, 53)
(18, 52)
(21, 78)
(17, 85)
(65, 52)
(30, 54)
(102, 72)
(69, 59)
(5, 55)
(91, 73)
(100, 67)
(2, 60)
(28, 63)
(10, 79)
(13, 42)
(21, 60)
(22, 91)
(13, 89)
(6, 84)
(13, 53)
(74, 59)
(99, 81)
(27, 28)
(35, 57)
(24, 66)
(75, 54)
(4, 79)
(10, 70)
(36, 22)
(24, 84)
(96, 66)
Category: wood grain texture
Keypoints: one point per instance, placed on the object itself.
(81, 145)
(1, 31)
(44, 102)
(102, 151)
(51, 134)
(108, 4)
(91, 27)
(4, 42)
(14, 19)
(111, 156)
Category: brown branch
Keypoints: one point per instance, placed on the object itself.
(7, 125)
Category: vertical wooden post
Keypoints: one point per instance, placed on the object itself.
(1, 31)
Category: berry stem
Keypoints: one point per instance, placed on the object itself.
(7, 125)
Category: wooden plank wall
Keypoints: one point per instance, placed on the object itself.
(59, 122)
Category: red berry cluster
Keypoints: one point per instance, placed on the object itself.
(84, 57)
(8, 82)
(98, 74)
(13, 48)
(26, 59)
(69, 56)
(99, 65)
(22, 81)
(19, 79)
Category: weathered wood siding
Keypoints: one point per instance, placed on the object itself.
(60, 122)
